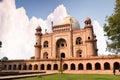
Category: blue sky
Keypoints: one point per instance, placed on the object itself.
(80, 9)
(14, 21)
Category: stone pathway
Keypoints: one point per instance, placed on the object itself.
(22, 76)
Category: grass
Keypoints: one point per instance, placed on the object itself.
(74, 77)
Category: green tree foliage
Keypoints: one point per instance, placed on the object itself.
(112, 29)
(4, 58)
(0, 44)
(33, 57)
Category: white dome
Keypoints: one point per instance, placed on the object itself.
(69, 20)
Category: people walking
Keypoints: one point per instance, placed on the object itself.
(114, 71)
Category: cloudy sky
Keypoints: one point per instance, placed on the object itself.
(19, 18)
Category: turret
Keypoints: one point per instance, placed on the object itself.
(90, 41)
(37, 45)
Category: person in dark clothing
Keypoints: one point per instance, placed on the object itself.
(114, 71)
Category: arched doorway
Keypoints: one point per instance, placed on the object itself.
(35, 67)
(97, 66)
(42, 67)
(24, 67)
(49, 67)
(19, 67)
(65, 66)
(80, 66)
(89, 66)
(14, 67)
(106, 66)
(5, 67)
(55, 67)
(9, 67)
(62, 55)
(60, 46)
(72, 66)
(116, 65)
(30, 67)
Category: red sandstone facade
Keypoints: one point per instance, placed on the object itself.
(68, 47)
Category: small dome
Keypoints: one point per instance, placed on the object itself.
(38, 28)
(88, 20)
(68, 20)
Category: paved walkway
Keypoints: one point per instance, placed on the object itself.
(22, 76)
(53, 72)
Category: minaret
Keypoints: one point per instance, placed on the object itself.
(37, 45)
(90, 47)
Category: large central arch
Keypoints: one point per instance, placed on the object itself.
(61, 45)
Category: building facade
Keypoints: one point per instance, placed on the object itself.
(67, 40)
(68, 47)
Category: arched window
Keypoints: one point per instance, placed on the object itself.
(24, 67)
(106, 66)
(5, 67)
(48, 67)
(89, 66)
(62, 55)
(79, 53)
(9, 67)
(65, 66)
(80, 66)
(61, 43)
(42, 67)
(72, 66)
(14, 67)
(97, 66)
(30, 67)
(19, 67)
(35, 67)
(45, 55)
(45, 44)
(78, 41)
(116, 65)
(55, 67)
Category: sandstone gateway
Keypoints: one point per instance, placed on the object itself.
(68, 47)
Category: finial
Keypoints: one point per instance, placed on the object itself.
(38, 28)
(51, 23)
(45, 30)
(71, 21)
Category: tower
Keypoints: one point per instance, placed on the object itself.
(90, 38)
(37, 45)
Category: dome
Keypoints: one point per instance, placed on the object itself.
(68, 20)
(38, 28)
(87, 20)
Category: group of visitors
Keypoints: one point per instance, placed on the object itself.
(114, 71)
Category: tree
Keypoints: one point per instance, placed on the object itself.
(4, 58)
(112, 29)
(33, 57)
(0, 44)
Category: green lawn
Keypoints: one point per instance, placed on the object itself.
(74, 77)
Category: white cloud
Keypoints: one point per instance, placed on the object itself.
(101, 41)
(17, 31)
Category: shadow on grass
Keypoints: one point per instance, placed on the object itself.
(39, 76)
